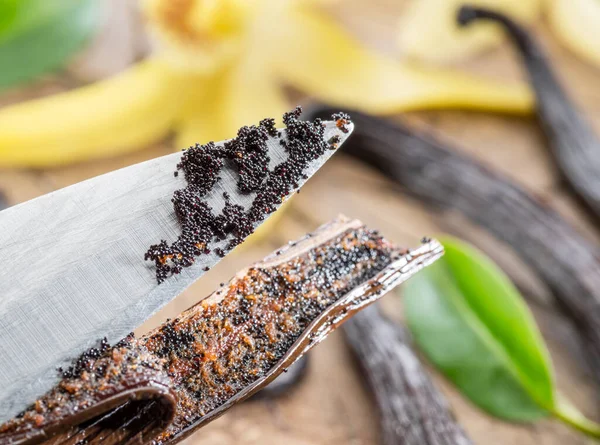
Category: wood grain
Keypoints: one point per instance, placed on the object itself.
(333, 405)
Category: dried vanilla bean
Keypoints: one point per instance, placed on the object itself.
(427, 169)
(187, 372)
(412, 410)
(574, 145)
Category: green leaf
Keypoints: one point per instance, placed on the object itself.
(20, 16)
(42, 39)
(471, 322)
(8, 12)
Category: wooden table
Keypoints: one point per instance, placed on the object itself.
(332, 406)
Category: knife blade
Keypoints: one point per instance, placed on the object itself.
(73, 268)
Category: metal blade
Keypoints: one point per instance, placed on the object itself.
(73, 268)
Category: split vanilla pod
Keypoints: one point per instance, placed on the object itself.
(163, 386)
(574, 145)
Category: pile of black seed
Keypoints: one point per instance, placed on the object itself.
(86, 360)
(248, 153)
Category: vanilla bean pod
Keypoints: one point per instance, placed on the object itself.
(574, 145)
(163, 386)
(412, 410)
(437, 175)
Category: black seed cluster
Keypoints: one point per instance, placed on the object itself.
(197, 229)
(334, 141)
(232, 220)
(85, 361)
(248, 153)
(305, 143)
(342, 120)
(172, 340)
(269, 125)
(201, 165)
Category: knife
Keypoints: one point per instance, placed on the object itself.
(73, 268)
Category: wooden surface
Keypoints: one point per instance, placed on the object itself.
(332, 405)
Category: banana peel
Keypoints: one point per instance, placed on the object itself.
(576, 24)
(428, 30)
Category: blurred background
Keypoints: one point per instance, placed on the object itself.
(90, 86)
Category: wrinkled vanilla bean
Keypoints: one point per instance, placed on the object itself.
(412, 410)
(437, 175)
(163, 386)
(574, 145)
